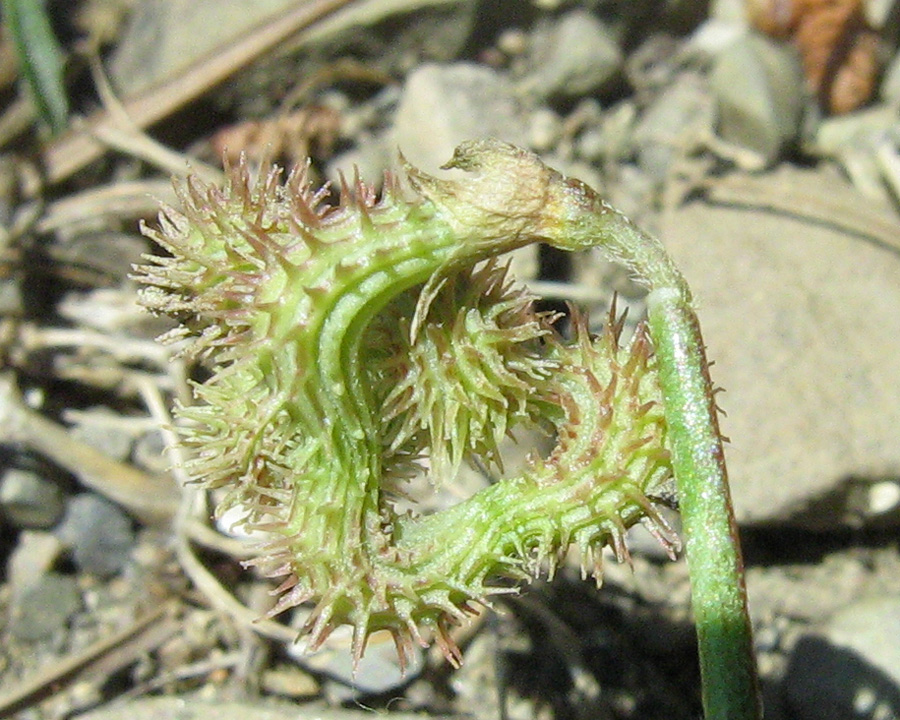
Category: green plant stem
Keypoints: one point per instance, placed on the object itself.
(711, 544)
(712, 548)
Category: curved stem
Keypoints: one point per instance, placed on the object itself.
(719, 599)
(725, 643)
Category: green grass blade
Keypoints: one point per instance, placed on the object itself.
(40, 59)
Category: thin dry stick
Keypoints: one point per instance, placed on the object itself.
(79, 147)
(16, 119)
(120, 200)
(575, 292)
(123, 134)
(152, 499)
(123, 348)
(134, 641)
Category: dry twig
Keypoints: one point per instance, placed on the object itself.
(152, 499)
(99, 659)
(80, 146)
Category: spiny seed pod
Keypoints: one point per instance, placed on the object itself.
(348, 344)
(470, 372)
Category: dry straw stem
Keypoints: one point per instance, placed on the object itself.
(79, 146)
(152, 499)
(88, 138)
(95, 663)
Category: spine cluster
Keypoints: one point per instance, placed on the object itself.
(353, 345)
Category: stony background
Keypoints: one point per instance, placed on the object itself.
(783, 218)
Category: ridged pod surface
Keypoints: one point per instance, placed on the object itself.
(351, 345)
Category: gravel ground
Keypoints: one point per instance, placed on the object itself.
(774, 184)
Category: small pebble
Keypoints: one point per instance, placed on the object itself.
(576, 56)
(30, 500)
(512, 41)
(544, 129)
(99, 534)
(884, 497)
(289, 681)
(758, 86)
(44, 608)
(36, 551)
(102, 430)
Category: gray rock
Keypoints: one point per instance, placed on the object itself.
(103, 430)
(852, 668)
(678, 114)
(28, 499)
(574, 56)
(378, 671)
(44, 608)
(99, 534)
(870, 628)
(802, 323)
(442, 105)
(758, 86)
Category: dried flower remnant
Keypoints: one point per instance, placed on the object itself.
(348, 342)
(293, 136)
(840, 51)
